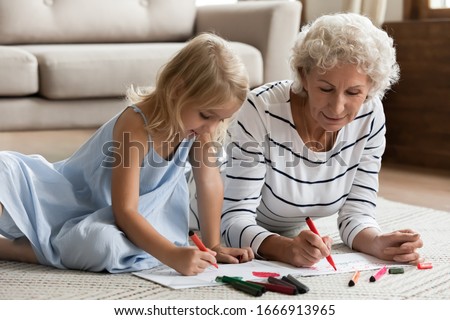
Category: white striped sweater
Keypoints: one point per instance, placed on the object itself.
(273, 182)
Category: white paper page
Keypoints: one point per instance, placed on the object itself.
(170, 278)
(346, 262)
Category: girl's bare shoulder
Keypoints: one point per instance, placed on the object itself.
(131, 124)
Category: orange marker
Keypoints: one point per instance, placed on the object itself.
(354, 280)
(312, 227)
(200, 244)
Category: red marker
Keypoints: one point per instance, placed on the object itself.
(200, 244)
(276, 287)
(424, 265)
(378, 274)
(312, 227)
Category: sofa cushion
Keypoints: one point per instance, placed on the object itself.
(19, 72)
(35, 113)
(88, 21)
(98, 70)
(106, 70)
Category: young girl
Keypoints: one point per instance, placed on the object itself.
(120, 203)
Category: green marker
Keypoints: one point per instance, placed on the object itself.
(244, 287)
(396, 270)
(232, 280)
(219, 279)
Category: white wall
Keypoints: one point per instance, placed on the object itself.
(208, 2)
(315, 8)
(394, 11)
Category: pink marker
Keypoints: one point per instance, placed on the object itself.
(379, 274)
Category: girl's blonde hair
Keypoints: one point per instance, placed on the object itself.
(346, 38)
(205, 73)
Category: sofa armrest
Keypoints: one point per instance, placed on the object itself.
(270, 26)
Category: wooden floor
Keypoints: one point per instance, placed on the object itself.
(413, 185)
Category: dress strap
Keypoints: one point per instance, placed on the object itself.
(138, 110)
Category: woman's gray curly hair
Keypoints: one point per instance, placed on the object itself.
(346, 38)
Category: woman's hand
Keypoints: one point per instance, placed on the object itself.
(399, 246)
(308, 248)
(304, 250)
(190, 261)
(233, 255)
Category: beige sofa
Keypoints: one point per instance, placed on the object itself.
(67, 63)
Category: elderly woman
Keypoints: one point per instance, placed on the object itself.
(312, 147)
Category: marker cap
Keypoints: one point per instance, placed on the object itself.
(424, 265)
(396, 270)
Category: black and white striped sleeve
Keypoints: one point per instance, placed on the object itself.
(358, 212)
(244, 178)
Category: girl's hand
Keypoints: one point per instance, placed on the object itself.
(233, 255)
(399, 246)
(306, 249)
(190, 261)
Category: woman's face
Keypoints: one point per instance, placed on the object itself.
(336, 96)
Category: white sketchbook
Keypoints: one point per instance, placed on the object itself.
(258, 270)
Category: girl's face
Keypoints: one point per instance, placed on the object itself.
(198, 121)
(336, 96)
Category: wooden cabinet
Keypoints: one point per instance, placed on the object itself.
(418, 107)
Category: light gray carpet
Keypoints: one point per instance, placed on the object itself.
(23, 281)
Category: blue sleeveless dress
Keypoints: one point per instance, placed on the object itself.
(64, 208)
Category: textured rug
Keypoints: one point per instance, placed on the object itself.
(20, 281)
